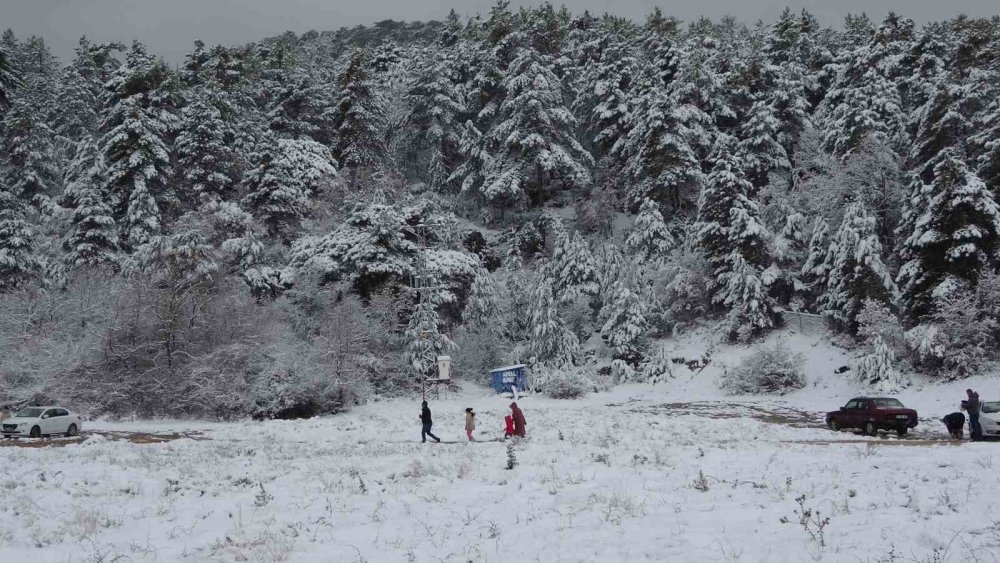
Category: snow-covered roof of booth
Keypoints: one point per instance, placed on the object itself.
(508, 368)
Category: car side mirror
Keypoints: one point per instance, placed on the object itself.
(44, 416)
(843, 408)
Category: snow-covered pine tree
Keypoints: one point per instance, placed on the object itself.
(573, 268)
(79, 98)
(943, 122)
(288, 172)
(986, 142)
(742, 291)
(302, 110)
(18, 262)
(184, 258)
(137, 129)
(625, 328)
(424, 339)
(93, 238)
(656, 156)
(438, 103)
(650, 240)
(759, 146)
(552, 343)
(357, 117)
(734, 240)
(206, 160)
(876, 371)
(474, 161)
(814, 270)
(854, 269)
(29, 155)
(800, 80)
(533, 141)
(604, 87)
(701, 83)
(954, 238)
(81, 92)
(789, 99)
(9, 80)
(483, 307)
(865, 102)
(925, 66)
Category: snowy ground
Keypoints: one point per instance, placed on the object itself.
(673, 473)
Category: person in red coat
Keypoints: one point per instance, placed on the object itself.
(518, 416)
(508, 422)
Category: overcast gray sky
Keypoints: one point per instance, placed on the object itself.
(169, 27)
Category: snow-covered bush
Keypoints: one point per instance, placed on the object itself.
(767, 369)
(565, 383)
(655, 367)
(296, 386)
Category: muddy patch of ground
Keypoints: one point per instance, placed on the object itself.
(114, 436)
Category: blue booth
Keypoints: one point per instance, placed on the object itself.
(502, 379)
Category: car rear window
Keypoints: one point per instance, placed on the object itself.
(888, 404)
(991, 407)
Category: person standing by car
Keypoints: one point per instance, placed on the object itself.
(519, 423)
(427, 422)
(470, 423)
(973, 406)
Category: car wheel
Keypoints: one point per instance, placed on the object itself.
(834, 425)
(901, 432)
(36, 432)
(72, 431)
(871, 429)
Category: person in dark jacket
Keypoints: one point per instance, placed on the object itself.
(519, 423)
(425, 419)
(955, 423)
(973, 405)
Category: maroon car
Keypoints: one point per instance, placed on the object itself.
(872, 414)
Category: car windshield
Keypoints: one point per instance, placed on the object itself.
(991, 407)
(29, 413)
(888, 404)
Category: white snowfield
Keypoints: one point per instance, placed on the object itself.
(671, 473)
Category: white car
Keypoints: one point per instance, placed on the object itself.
(989, 418)
(34, 422)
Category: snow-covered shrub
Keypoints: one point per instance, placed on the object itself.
(293, 387)
(767, 369)
(655, 367)
(566, 383)
(622, 372)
